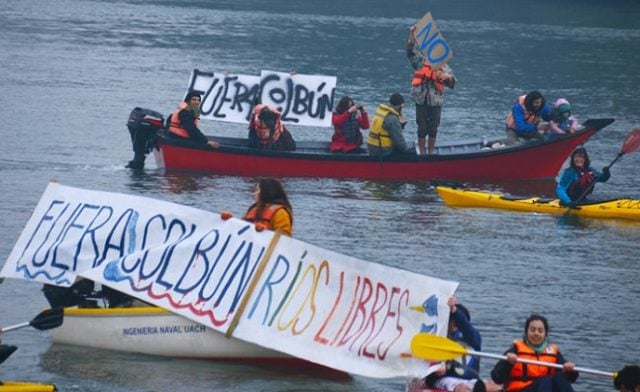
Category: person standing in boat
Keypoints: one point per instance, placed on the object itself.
(535, 345)
(628, 379)
(523, 122)
(271, 208)
(385, 135)
(183, 123)
(427, 91)
(266, 130)
(453, 375)
(348, 120)
(579, 178)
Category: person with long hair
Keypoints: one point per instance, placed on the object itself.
(578, 179)
(535, 345)
(524, 119)
(348, 120)
(271, 208)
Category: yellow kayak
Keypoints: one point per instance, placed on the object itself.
(618, 208)
(20, 386)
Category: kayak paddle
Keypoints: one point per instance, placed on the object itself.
(438, 348)
(47, 319)
(631, 144)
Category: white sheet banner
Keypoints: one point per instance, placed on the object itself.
(261, 287)
(226, 97)
(302, 99)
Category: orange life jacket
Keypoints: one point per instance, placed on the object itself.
(522, 374)
(175, 126)
(267, 214)
(529, 117)
(262, 131)
(425, 74)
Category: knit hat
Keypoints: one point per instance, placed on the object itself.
(562, 105)
(191, 94)
(396, 99)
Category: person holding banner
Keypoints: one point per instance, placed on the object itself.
(535, 345)
(271, 208)
(453, 375)
(348, 120)
(385, 136)
(427, 91)
(523, 122)
(266, 130)
(183, 123)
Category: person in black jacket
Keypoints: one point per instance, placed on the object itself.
(183, 123)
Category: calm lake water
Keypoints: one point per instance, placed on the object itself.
(71, 71)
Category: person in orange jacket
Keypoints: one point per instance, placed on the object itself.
(271, 208)
(535, 345)
(183, 123)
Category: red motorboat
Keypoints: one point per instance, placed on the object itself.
(480, 159)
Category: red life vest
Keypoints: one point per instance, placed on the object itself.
(529, 117)
(427, 74)
(523, 374)
(261, 130)
(175, 126)
(581, 184)
(267, 214)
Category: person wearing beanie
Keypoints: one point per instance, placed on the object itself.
(535, 345)
(578, 179)
(628, 379)
(427, 91)
(454, 375)
(183, 123)
(562, 121)
(523, 122)
(385, 135)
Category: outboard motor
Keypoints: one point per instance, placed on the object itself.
(143, 125)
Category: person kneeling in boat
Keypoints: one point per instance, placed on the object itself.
(518, 376)
(183, 123)
(523, 122)
(271, 208)
(385, 135)
(348, 120)
(453, 375)
(266, 130)
(578, 179)
(628, 379)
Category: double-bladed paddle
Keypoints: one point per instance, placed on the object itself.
(631, 144)
(438, 348)
(47, 319)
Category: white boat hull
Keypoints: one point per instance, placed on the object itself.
(153, 331)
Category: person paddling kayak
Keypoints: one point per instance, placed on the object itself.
(578, 179)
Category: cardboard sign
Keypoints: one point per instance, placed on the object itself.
(431, 42)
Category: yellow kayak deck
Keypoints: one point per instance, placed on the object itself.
(617, 208)
(20, 386)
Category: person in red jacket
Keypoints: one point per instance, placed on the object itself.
(348, 120)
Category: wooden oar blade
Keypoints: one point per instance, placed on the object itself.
(435, 348)
(48, 319)
(632, 142)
